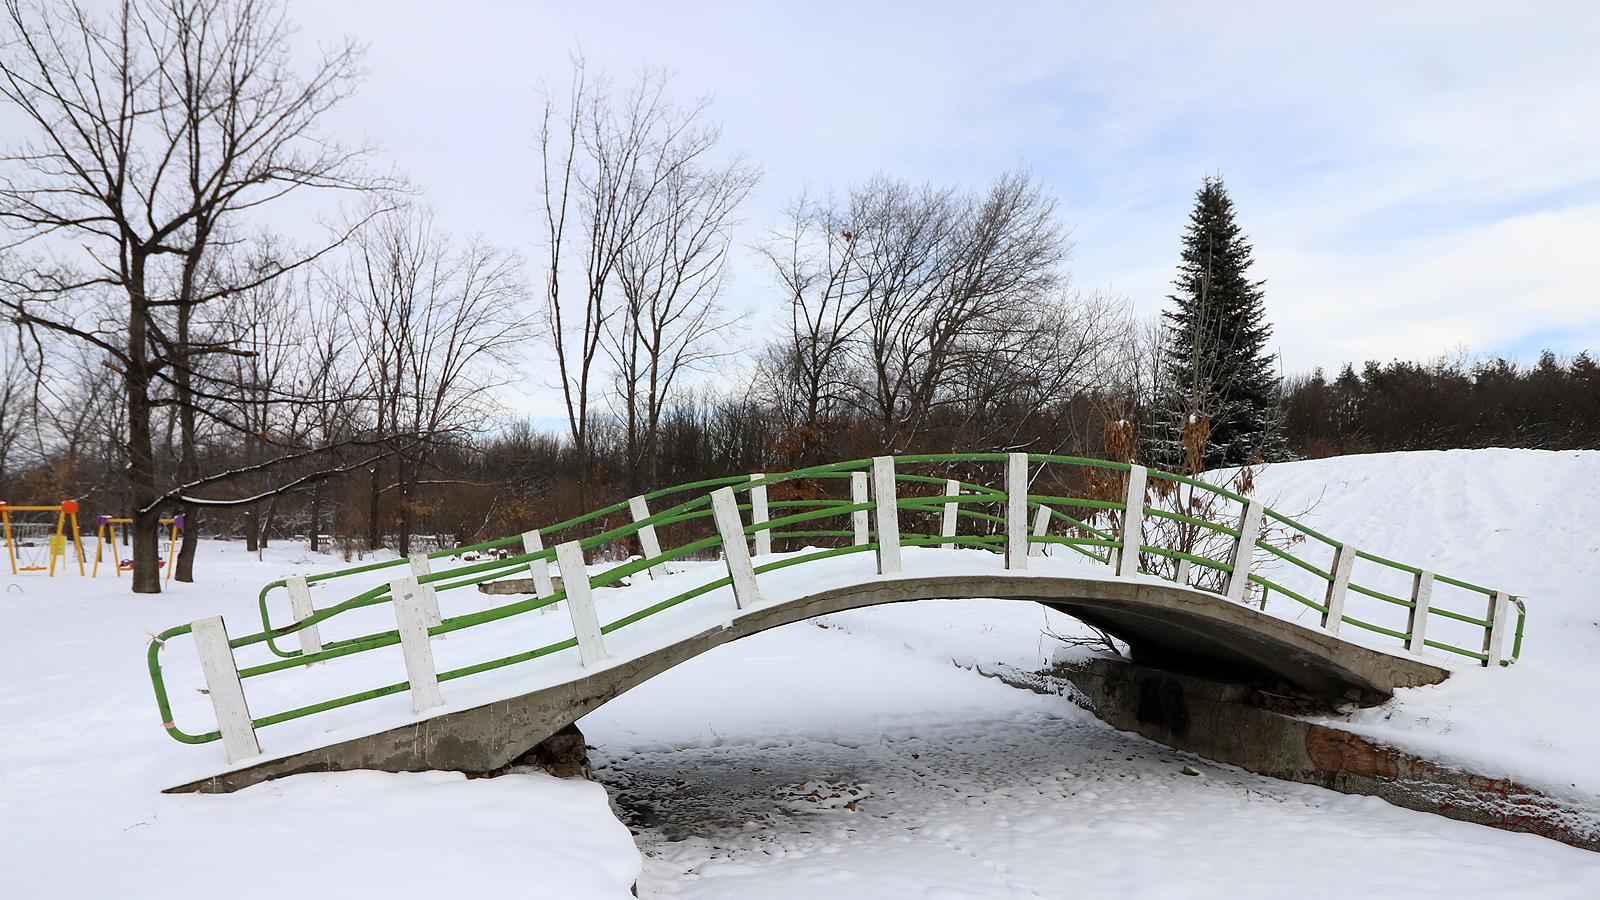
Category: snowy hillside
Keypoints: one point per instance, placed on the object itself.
(1527, 521)
(863, 758)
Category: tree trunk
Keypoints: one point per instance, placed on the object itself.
(252, 531)
(188, 458)
(191, 541)
(267, 519)
(403, 479)
(316, 517)
(584, 481)
(633, 454)
(374, 531)
(141, 452)
(147, 552)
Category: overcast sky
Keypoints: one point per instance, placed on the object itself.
(1415, 177)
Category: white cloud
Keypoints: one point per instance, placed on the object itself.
(1487, 287)
(1378, 152)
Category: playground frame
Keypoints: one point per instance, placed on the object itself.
(66, 512)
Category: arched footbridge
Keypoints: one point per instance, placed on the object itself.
(465, 658)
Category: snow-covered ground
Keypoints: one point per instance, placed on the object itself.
(1527, 521)
(83, 761)
(963, 787)
(948, 784)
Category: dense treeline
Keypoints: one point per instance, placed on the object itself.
(1445, 404)
(520, 476)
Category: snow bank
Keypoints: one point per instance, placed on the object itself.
(83, 760)
(1527, 521)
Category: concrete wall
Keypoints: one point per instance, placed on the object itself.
(1258, 730)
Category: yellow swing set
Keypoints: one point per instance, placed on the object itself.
(105, 535)
(26, 536)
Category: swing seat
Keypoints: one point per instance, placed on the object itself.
(125, 564)
(31, 568)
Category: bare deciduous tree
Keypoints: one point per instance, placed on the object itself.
(670, 278)
(19, 395)
(815, 262)
(951, 277)
(910, 305)
(156, 131)
(437, 325)
(636, 217)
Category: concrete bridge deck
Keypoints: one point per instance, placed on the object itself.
(1160, 620)
(990, 545)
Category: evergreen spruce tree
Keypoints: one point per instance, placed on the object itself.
(1221, 394)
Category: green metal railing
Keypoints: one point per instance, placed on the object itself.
(1087, 525)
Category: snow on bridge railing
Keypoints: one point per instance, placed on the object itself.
(1137, 521)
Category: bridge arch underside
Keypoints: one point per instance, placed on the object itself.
(1166, 626)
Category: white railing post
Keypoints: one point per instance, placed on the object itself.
(580, 603)
(411, 603)
(1417, 620)
(301, 608)
(1244, 551)
(1494, 637)
(1344, 558)
(1041, 527)
(649, 544)
(858, 496)
(538, 568)
(758, 514)
(886, 514)
(222, 685)
(735, 552)
(947, 528)
(1132, 522)
(430, 602)
(1017, 511)
(1184, 572)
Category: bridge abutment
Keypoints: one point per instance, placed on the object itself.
(1260, 728)
(563, 754)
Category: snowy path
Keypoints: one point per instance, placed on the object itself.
(963, 787)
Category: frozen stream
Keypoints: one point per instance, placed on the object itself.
(841, 763)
